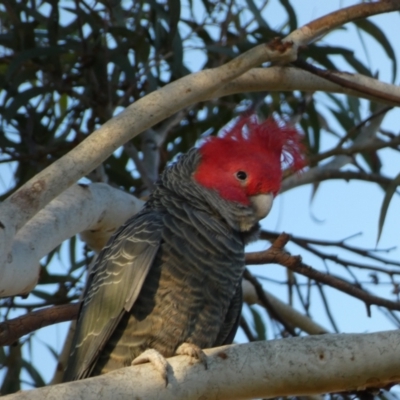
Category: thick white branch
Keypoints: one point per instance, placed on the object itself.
(287, 367)
(98, 209)
(290, 78)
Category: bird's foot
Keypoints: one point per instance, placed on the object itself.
(157, 359)
(191, 350)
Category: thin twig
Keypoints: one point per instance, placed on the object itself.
(345, 263)
(361, 148)
(355, 128)
(327, 309)
(247, 331)
(266, 303)
(132, 152)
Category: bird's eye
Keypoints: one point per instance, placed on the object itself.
(241, 175)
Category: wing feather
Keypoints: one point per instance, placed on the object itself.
(232, 319)
(113, 288)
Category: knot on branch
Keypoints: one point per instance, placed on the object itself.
(275, 254)
(277, 44)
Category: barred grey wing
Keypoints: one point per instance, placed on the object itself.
(113, 288)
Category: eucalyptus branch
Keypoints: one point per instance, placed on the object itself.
(276, 254)
(345, 80)
(132, 152)
(321, 175)
(366, 136)
(268, 235)
(353, 131)
(372, 145)
(95, 210)
(325, 302)
(343, 262)
(266, 303)
(266, 369)
(285, 78)
(286, 311)
(12, 330)
(247, 331)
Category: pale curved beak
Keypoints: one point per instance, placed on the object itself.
(262, 204)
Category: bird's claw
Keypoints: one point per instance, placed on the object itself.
(191, 350)
(154, 357)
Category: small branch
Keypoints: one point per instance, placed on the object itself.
(287, 312)
(151, 154)
(342, 79)
(266, 303)
(353, 131)
(328, 174)
(64, 354)
(345, 263)
(372, 145)
(247, 331)
(132, 152)
(366, 136)
(12, 330)
(270, 236)
(276, 254)
(327, 308)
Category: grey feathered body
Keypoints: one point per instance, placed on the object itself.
(170, 274)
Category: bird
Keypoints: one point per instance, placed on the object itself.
(168, 281)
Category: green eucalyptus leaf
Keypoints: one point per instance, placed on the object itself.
(258, 323)
(33, 373)
(372, 29)
(291, 14)
(390, 191)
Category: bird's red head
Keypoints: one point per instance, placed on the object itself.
(247, 159)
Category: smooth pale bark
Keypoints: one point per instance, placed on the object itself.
(98, 208)
(287, 367)
(289, 79)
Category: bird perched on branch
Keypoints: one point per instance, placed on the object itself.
(169, 280)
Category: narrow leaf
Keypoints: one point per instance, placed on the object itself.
(174, 7)
(34, 374)
(291, 14)
(373, 30)
(259, 325)
(391, 189)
